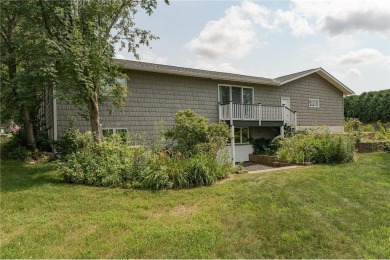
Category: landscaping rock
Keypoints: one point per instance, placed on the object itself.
(30, 160)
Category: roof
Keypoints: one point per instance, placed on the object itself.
(294, 75)
(322, 73)
(144, 66)
(167, 69)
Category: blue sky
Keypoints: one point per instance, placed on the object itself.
(349, 39)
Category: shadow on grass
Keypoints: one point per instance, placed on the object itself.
(18, 175)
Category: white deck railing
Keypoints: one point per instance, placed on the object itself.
(248, 112)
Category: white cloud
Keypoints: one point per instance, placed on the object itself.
(215, 66)
(339, 17)
(358, 57)
(299, 25)
(149, 56)
(352, 73)
(232, 36)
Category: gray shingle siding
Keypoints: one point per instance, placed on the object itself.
(157, 96)
(331, 110)
(154, 97)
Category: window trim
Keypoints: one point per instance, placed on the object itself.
(314, 99)
(241, 127)
(230, 92)
(114, 129)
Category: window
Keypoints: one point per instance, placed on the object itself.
(112, 133)
(241, 135)
(123, 82)
(240, 95)
(314, 103)
(108, 89)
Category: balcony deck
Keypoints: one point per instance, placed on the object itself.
(257, 115)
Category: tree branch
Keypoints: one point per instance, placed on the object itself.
(114, 20)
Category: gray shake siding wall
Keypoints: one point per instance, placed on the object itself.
(156, 96)
(330, 112)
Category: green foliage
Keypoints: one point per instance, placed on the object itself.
(15, 153)
(15, 147)
(265, 146)
(72, 141)
(383, 133)
(368, 128)
(192, 134)
(43, 142)
(317, 147)
(115, 164)
(353, 125)
(86, 33)
(98, 164)
(27, 65)
(328, 212)
(387, 147)
(369, 106)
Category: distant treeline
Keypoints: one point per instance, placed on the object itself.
(369, 106)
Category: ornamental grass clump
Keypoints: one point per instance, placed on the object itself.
(317, 146)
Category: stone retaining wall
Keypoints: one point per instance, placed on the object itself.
(266, 160)
(370, 147)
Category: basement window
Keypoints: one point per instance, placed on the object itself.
(119, 134)
(241, 135)
(314, 103)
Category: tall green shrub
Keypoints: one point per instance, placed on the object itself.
(192, 133)
(317, 147)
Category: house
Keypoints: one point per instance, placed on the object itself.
(252, 106)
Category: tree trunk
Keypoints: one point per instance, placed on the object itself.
(28, 128)
(94, 118)
(24, 111)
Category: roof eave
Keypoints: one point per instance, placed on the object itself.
(335, 82)
(324, 74)
(198, 75)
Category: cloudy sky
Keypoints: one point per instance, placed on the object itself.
(349, 39)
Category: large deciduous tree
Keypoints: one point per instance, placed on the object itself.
(26, 66)
(85, 32)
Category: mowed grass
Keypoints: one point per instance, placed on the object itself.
(322, 211)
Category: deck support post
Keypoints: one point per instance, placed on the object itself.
(295, 119)
(260, 112)
(231, 112)
(219, 111)
(232, 145)
(282, 130)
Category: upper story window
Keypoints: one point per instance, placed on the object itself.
(314, 103)
(236, 94)
(108, 88)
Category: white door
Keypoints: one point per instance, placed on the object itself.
(286, 102)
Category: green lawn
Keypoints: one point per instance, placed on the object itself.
(312, 212)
